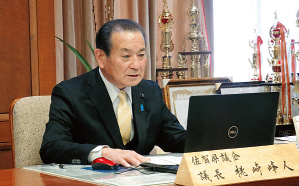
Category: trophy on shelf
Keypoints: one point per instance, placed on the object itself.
(294, 58)
(194, 37)
(254, 63)
(279, 63)
(166, 23)
(256, 58)
(274, 48)
(206, 63)
(287, 120)
(182, 63)
(279, 116)
(295, 99)
(294, 54)
(274, 51)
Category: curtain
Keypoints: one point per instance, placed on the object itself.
(75, 23)
(79, 20)
(143, 12)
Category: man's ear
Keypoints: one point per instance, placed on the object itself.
(100, 57)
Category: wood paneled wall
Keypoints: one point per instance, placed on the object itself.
(27, 59)
(15, 75)
(46, 46)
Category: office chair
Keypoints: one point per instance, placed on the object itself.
(28, 118)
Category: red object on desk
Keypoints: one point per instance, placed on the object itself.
(103, 160)
(103, 164)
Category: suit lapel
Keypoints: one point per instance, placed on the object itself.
(100, 98)
(139, 113)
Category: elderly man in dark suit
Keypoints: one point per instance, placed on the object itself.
(84, 123)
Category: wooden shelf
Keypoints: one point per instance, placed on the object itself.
(171, 69)
(196, 53)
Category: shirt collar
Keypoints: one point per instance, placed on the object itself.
(113, 91)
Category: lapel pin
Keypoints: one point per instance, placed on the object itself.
(141, 107)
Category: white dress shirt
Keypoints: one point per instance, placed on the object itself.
(113, 92)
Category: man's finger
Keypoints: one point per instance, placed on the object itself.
(124, 163)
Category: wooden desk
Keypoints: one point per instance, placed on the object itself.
(20, 177)
(24, 177)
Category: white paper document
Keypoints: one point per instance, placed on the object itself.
(165, 160)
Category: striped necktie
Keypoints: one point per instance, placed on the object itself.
(124, 116)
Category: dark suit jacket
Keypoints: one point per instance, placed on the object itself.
(82, 117)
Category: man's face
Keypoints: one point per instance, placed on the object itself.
(126, 63)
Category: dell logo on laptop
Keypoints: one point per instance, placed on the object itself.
(232, 132)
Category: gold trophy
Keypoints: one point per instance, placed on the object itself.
(206, 65)
(294, 54)
(182, 63)
(294, 58)
(194, 36)
(274, 50)
(255, 63)
(166, 23)
(279, 65)
(279, 116)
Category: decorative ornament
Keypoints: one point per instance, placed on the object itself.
(166, 23)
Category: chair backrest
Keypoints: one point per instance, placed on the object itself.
(29, 116)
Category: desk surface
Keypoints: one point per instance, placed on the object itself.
(20, 177)
(84, 175)
(24, 177)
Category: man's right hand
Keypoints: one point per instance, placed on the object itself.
(126, 158)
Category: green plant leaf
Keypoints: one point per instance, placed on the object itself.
(80, 57)
(92, 50)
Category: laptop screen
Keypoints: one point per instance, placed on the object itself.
(231, 121)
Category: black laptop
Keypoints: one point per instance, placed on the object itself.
(231, 121)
